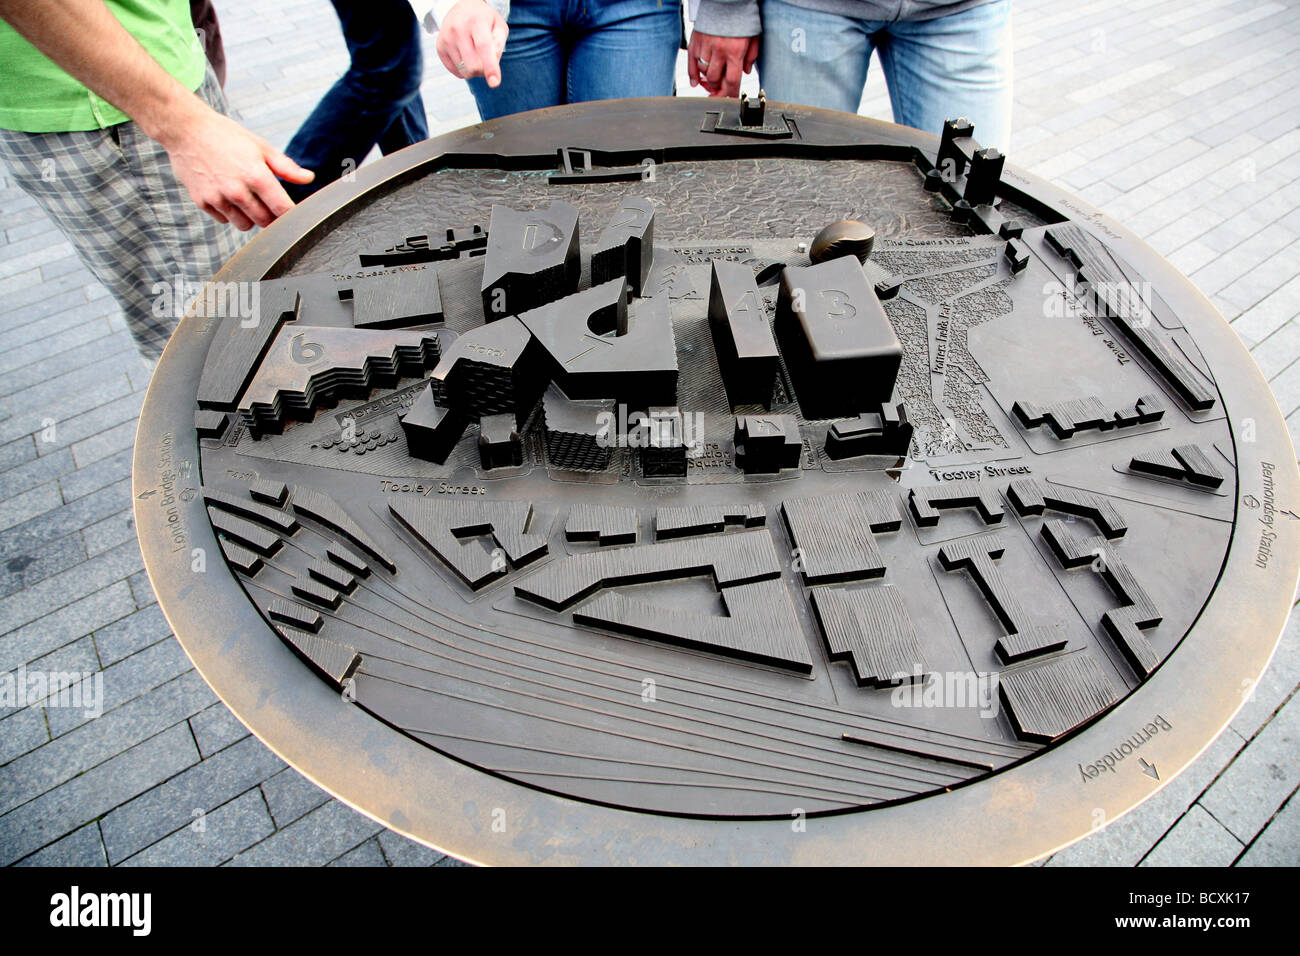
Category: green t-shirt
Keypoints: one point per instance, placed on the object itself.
(36, 96)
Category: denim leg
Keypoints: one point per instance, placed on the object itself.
(532, 65)
(376, 101)
(410, 126)
(958, 65)
(814, 58)
(624, 48)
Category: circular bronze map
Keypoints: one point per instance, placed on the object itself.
(538, 495)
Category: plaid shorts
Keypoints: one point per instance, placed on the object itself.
(114, 194)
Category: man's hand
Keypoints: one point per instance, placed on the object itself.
(717, 63)
(228, 171)
(470, 41)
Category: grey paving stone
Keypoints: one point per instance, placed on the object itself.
(216, 728)
(1232, 215)
(76, 657)
(1195, 840)
(248, 75)
(286, 107)
(1197, 167)
(48, 248)
(1279, 844)
(109, 442)
(290, 795)
(312, 840)
(1286, 388)
(1103, 165)
(63, 400)
(63, 758)
(109, 533)
(1125, 841)
(30, 503)
(68, 586)
(23, 570)
(175, 804)
(1254, 116)
(139, 373)
(1264, 278)
(1155, 172)
(1232, 232)
(1058, 166)
(1242, 258)
(21, 280)
(51, 345)
(38, 247)
(1262, 776)
(126, 680)
(142, 590)
(1292, 220)
(65, 625)
(1100, 194)
(399, 851)
(80, 848)
(30, 276)
(17, 451)
(106, 343)
(91, 794)
(65, 520)
(52, 270)
(1119, 79)
(1178, 233)
(212, 838)
(131, 633)
(102, 473)
(56, 680)
(1279, 350)
(16, 203)
(90, 423)
(1212, 81)
(1244, 110)
(31, 223)
(1144, 211)
(1274, 686)
(48, 298)
(35, 472)
(1082, 123)
(21, 730)
(1191, 256)
(367, 854)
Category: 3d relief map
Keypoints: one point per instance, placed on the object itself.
(779, 443)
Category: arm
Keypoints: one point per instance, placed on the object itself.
(227, 170)
(471, 36)
(726, 38)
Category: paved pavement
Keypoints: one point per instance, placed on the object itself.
(1179, 118)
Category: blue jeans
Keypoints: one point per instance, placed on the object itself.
(573, 51)
(957, 65)
(377, 101)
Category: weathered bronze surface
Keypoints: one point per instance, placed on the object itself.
(609, 526)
